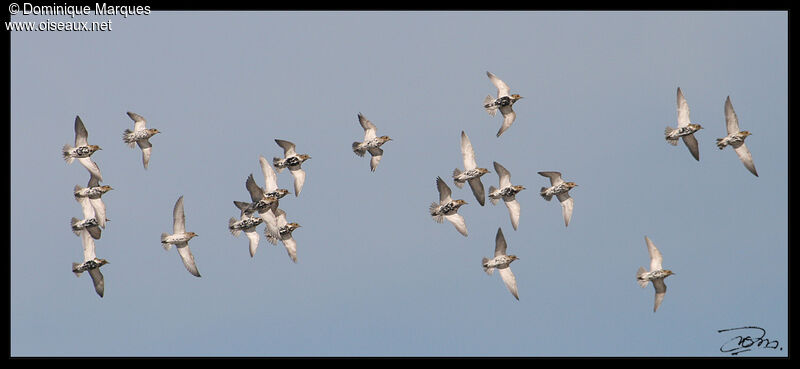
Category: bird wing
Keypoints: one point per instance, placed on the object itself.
(513, 212)
(509, 280)
(745, 157)
(256, 192)
(138, 121)
(92, 167)
(661, 290)
(98, 281)
(655, 255)
(567, 203)
(299, 178)
(504, 174)
(81, 134)
(555, 177)
(252, 235)
(458, 222)
(187, 258)
(370, 131)
(270, 178)
(288, 148)
(691, 143)
(377, 154)
(444, 191)
(508, 118)
(93, 181)
(500, 245)
(147, 148)
(502, 87)
(467, 153)
(178, 217)
(731, 121)
(291, 248)
(477, 189)
(88, 246)
(86, 207)
(99, 209)
(683, 110)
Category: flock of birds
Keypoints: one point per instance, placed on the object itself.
(265, 201)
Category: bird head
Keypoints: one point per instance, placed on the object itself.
(459, 202)
(191, 235)
(695, 127)
(668, 272)
(571, 184)
(515, 97)
(94, 147)
(105, 188)
(292, 226)
(282, 192)
(518, 188)
(745, 133)
(385, 138)
(303, 157)
(100, 262)
(513, 257)
(153, 131)
(483, 171)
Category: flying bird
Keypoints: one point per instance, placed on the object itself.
(90, 263)
(293, 161)
(471, 174)
(94, 192)
(264, 205)
(180, 238)
(246, 224)
(82, 150)
(141, 136)
(560, 189)
(655, 275)
(685, 129)
(447, 208)
(504, 101)
(371, 143)
(507, 192)
(735, 138)
(284, 235)
(502, 262)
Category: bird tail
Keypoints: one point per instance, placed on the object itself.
(488, 104)
(234, 231)
(75, 190)
(276, 162)
(543, 192)
(165, 244)
(492, 199)
(672, 141)
(438, 218)
(487, 269)
(456, 173)
(358, 150)
(75, 269)
(639, 273)
(72, 224)
(721, 144)
(65, 152)
(127, 137)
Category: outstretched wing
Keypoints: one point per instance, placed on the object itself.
(370, 131)
(288, 147)
(731, 121)
(178, 217)
(81, 134)
(655, 255)
(683, 110)
(502, 87)
(467, 152)
(555, 177)
(138, 121)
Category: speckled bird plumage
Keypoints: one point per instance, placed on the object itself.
(82, 150)
(504, 102)
(140, 135)
(655, 275)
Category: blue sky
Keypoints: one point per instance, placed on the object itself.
(376, 276)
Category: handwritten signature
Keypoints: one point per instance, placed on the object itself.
(748, 338)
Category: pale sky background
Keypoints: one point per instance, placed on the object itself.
(376, 275)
